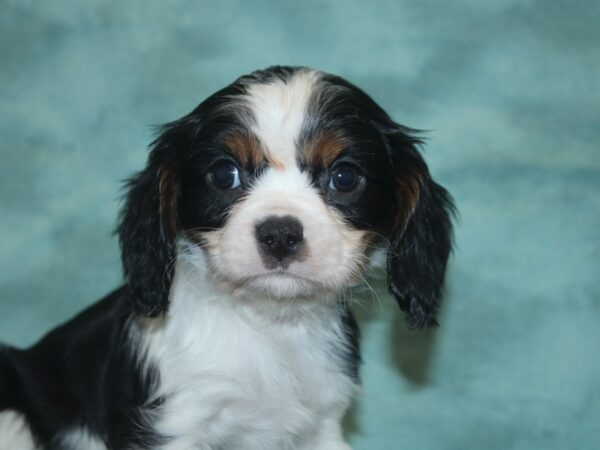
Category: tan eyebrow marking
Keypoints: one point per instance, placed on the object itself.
(248, 150)
(408, 186)
(169, 191)
(325, 148)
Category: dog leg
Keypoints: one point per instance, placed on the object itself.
(14, 432)
(329, 437)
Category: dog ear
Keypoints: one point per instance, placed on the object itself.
(421, 239)
(148, 227)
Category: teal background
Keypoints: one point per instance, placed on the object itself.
(510, 92)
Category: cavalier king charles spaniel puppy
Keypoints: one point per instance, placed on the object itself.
(254, 215)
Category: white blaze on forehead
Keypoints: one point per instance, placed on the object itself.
(279, 108)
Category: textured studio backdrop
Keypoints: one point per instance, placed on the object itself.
(510, 93)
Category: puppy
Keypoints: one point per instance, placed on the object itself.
(253, 216)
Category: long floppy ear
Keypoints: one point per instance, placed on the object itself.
(148, 227)
(422, 237)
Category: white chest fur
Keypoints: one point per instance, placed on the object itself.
(235, 378)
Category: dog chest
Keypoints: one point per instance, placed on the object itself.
(227, 383)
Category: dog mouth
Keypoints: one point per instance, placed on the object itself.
(281, 274)
(283, 283)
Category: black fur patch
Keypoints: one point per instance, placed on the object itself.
(84, 373)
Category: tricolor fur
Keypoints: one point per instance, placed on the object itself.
(256, 212)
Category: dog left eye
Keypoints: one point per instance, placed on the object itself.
(224, 175)
(344, 178)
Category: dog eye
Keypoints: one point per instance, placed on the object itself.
(344, 178)
(224, 175)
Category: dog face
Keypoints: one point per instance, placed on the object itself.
(288, 179)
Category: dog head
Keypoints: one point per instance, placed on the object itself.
(288, 179)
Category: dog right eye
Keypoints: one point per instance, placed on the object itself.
(224, 175)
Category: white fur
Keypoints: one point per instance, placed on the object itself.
(14, 432)
(238, 374)
(332, 257)
(279, 109)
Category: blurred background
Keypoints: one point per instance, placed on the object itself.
(510, 93)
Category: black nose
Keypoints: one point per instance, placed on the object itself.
(279, 238)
